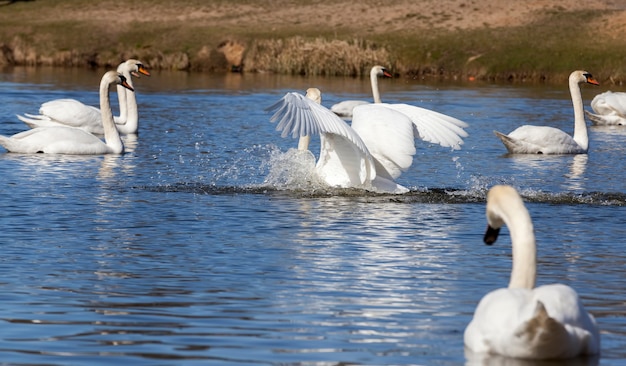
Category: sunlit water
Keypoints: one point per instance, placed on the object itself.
(198, 247)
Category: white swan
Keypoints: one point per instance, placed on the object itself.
(72, 140)
(372, 152)
(610, 109)
(344, 109)
(521, 321)
(529, 139)
(72, 113)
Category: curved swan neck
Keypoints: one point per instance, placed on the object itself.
(111, 136)
(505, 206)
(374, 82)
(580, 126)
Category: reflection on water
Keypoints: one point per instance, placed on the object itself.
(550, 165)
(208, 242)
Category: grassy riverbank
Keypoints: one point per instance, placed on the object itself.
(452, 39)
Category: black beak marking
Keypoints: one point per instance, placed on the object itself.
(491, 235)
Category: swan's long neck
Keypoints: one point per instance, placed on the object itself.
(111, 136)
(121, 92)
(524, 271)
(510, 210)
(121, 97)
(132, 115)
(580, 126)
(374, 81)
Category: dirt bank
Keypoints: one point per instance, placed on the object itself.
(535, 39)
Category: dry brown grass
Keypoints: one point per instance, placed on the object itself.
(442, 38)
(318, 56)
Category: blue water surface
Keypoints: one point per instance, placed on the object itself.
(187, 250)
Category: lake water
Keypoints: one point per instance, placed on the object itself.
(196, 248)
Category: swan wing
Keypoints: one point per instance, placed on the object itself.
(513, 323)
(610, 103)
(71, 112)
(298, 115)
(66, 112)
(434, 127)
(345, 160)
(496, 317)
(547, 322)
(343, 164)
(570, 329)
(388, 135)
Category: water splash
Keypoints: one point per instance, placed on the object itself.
(292, 170)
(459, 167)
(268, 170)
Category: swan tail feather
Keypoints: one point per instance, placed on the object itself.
(604, 120)
(511, 144)
(594, 118)
(32, 120)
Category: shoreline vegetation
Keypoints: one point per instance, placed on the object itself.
(443, 39)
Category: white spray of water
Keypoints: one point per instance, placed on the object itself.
(293, 170)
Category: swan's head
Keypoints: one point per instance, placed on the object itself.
(380, 71)
(134, 67)
(581, 76)
(500, 199)
(113, 77)
(314, 94)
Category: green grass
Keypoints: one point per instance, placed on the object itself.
(550, 48)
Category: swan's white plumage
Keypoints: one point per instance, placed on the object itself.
(609, 108)
(71, 140)
(65, 112)
(540, 140)
(297, 115)
(73, 113)
(521, 321)
(389, 136)
(434, 127)
(346, 107)
(373, 152)
(530, 139)
(344, 159)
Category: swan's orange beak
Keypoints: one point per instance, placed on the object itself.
(142, 69)
(126, 85)
(387, 74)
(593, 81)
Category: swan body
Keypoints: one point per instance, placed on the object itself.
(345, 108)
(72, 140)
(529, 139)
(524, 321)
(72, 113)
(375, 150)
(609, 108)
